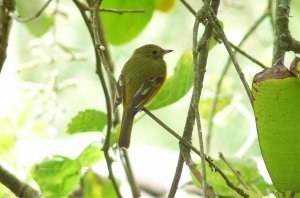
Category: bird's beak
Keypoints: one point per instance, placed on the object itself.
(167, 51)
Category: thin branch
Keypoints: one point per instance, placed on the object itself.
(16, 186)
(283, 41)
(254, 60)
(282, 32)
(220, 81)
(120, 12)
(31, 18)
(99, 53)
(237, 175)
(105, 90)
(128, 170)
(200, 55)
(176, 178)
(201, 145)
(191, 147)
(214, 22)
(189, 7)
(5, 24)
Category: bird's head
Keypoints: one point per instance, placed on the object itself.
(151, 51)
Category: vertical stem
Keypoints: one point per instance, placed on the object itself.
(200, 136)
(199, 71)
(129, 173)
(5, 23)
(282, 33)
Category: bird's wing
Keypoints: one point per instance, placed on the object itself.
(119, 92)
(145, 93)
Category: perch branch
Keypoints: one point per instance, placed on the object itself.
(187, 144)
(16, 186)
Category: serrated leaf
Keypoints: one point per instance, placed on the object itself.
(120, 29)
(95, 186)
(90, 155)
(39, 25)
(248, 171)
(86, 121)
(57, 176)
(164, 5)
(177, 85)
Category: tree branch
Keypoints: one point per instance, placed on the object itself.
(93, 30)
(237, 175)
(188, 145)
(283, 41)
(214, 22)
(222, 76)
(201, 145)
(5, 23)
(16, 186)
(31, 18)
(200, 55)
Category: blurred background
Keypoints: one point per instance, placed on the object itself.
(49, 76)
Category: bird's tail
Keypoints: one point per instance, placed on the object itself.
(126, 127)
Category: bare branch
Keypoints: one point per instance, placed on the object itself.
(188, 145)
(238, 176)
(201, 145)
(222, 76)
(16, 186)
(136, 192)
(5, 25)
(31, 18)
(214, 21)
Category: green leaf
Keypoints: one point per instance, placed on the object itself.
(248, 171)
(7, 135)
(90, 155)
(276, 95)
(120, 29)
(39, 25)
(206, 103)
(86, 121)
(56, 176)
(95, 186)
(178, 85)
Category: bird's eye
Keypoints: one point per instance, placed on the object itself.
(154, 52)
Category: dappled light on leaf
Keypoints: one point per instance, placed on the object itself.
(56, 176)
(87, 121)
(122, 28)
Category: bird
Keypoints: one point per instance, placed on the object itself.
(140, 80)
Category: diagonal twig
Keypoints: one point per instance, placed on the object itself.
(31, 18)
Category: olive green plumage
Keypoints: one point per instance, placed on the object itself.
(141, 78)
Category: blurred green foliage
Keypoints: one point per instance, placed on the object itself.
(87, 121)
(248, 171)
